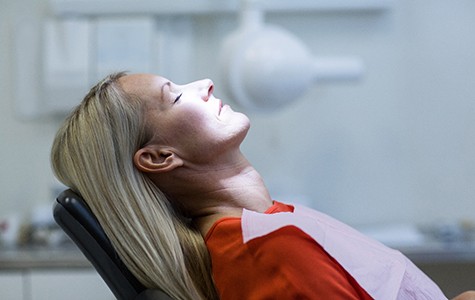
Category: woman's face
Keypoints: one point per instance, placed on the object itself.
(187, 117)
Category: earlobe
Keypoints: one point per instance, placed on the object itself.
(151, 160)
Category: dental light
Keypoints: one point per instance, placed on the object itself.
(265, 67)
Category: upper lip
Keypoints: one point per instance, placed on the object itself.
(219, 103)
(220, 106)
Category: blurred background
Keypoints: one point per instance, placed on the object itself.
(393, 150)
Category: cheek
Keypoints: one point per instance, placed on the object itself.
(191, 124)
(192, 130)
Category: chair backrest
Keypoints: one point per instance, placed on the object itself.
(74, 216)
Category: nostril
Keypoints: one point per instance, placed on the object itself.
(210, 89)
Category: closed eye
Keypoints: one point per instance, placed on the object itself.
(177, 98)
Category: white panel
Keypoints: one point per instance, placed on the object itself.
(65, 64)
(70, 285)
(52, 60)
(66, 44)
(11, 286)
(124, 44)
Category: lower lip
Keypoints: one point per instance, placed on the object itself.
(224, 107)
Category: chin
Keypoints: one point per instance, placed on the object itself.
(245, 129)
(246, 124)
(245, 119)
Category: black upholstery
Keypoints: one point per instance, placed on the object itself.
(73, 215)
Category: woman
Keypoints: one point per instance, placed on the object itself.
(93, 154)
(160, 167)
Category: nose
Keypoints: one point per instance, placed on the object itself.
(206, 87)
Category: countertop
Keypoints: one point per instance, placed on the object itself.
(427, 245)
(438, 253)
(42, 258)
(70, 257)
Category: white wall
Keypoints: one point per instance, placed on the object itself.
(25, 176)
(398, 146)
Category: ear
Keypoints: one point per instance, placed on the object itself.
(156, 160)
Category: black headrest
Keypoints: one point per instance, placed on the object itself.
(74, 216)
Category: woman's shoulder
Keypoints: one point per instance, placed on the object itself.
(227, 228)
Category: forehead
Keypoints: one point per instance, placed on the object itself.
(145, 86)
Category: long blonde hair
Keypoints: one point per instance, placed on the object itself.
(92, 154)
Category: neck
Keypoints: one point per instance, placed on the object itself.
(217, 191)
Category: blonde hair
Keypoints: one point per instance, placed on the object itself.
(92, 154)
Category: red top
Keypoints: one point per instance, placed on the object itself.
(285, 264)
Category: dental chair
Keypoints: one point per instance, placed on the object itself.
(74, 216)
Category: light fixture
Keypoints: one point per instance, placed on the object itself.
(265, 67)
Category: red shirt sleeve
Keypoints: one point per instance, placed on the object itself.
(285, 264)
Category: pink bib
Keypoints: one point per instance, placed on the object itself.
(382, 272)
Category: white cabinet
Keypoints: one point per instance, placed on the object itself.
(53, 284)
(11, 286)
(68, 284)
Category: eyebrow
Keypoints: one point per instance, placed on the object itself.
(168, 83)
